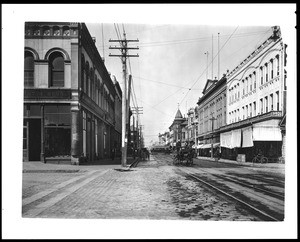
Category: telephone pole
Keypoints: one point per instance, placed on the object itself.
(206, 53)
(124, 55)
(218, 56)
(212, 129)
(137, 111)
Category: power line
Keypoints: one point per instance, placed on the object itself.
(167, 84)
(169, 42)
(139, 31)
(210, 63)
(155, 108)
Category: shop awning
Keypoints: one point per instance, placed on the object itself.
(207, 146)
(266, 132)
(247, 137)
(231, 139)
(263, 131)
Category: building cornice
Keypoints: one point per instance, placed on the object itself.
(269, 43)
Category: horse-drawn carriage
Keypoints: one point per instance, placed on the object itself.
(184, 157)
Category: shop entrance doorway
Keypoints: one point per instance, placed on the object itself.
(34, 139)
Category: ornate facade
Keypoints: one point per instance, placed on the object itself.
(256, 93)
(71, 104)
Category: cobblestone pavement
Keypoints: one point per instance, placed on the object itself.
(153, 190)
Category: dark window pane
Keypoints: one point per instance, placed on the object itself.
(28, 69)
(24, 133)
(24, 144)
(29, 61)
(35, 110)
(28, 78)
(51, 119)
(58, 79)
(50, 109)
(57, 115)
(64, 120)
(57, 70)
(64, 109)
(58, 63)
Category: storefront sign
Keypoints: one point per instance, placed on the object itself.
(47, 94)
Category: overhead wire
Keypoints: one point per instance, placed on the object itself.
(264, 33)
(167, 84)
(210, 62)
(168, 42)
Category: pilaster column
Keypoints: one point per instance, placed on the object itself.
(76, 137)
(42, 155)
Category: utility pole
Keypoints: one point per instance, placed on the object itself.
(212, 57)
(124, 55)
(218, 57)
(212, 128)
(141, 137)
(206, 53)
(137, 111)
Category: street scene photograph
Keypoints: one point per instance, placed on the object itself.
(160, 128)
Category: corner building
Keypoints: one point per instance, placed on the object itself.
(72, 107)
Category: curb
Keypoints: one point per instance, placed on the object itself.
(50, 171)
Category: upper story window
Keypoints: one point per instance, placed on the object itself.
(66, 31)
(56, 70)
(261, 75)
(28, 70)
(243, 85)
(277, 64)
(56, 31)
(272, 68)
(267, 71)
(46, 30)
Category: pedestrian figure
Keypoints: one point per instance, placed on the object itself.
(134, 154)
(113, 152)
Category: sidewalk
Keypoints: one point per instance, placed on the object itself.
(38, 166)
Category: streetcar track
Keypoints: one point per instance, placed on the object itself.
(256, 210)
(270, 210)
(254, 187)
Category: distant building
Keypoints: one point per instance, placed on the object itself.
(72, 107)
(211, 115)
(176, 129)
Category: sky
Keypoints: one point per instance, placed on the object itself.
(173, 65)
(173, 39)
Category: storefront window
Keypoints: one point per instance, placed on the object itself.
(35, 110)
(57, 115)
(24, 137)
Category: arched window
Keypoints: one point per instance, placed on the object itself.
(56, 70)
(28, 70)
